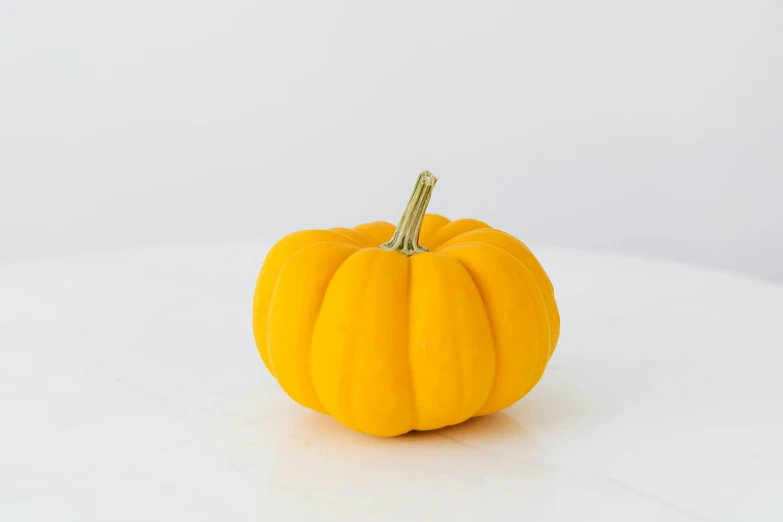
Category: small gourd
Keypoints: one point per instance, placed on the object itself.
(415, 328)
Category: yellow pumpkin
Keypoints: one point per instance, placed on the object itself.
(388, 335)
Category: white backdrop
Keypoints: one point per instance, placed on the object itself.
(652, 127)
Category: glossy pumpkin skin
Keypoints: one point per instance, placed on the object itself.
(386, 342)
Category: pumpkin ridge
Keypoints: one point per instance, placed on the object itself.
(438, 229)
(408, 346)
(543, 357)
(279, 268)
(510, 236)
(352, 358)
(376, 241)
(530, 261)
(369, 241)
(310, 344)
(349, 420)
(542, 314)
(470, 221)
(549, 289)
(491, 334)
(434, 233)
(318, 313)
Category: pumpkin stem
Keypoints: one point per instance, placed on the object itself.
(406, 237)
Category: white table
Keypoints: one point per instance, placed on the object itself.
(130, 389)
